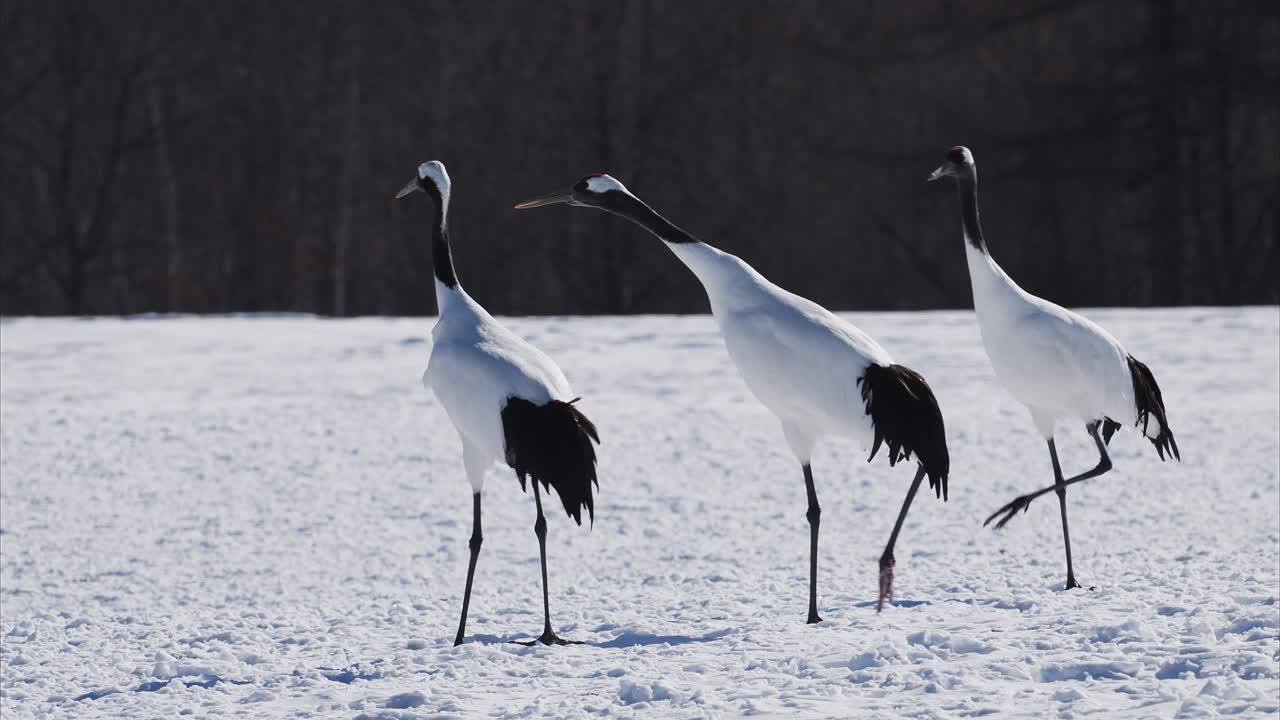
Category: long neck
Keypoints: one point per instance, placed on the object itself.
(995, 294)
(727, 280)
(635, 210)
(968, 188)
(441, 255)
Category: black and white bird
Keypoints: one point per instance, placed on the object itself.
(817, 373)
(1056, 362)
(506, 399)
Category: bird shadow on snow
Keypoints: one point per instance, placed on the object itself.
(205, 681)
(632, 639)
(894, 603)
(1021, 605)
(622, 640)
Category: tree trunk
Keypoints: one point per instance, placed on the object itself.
(169, 191)
(1167, 242)
(346, 196)
(74, 286)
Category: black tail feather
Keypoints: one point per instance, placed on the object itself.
(1146, 395)
(906, 417)
(1109, 428)
(552, 443)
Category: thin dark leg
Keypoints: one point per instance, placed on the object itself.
(1011, 509)
(1060, 487)
(815, 519)
(540, 529)
(886, 560)
(476, 539)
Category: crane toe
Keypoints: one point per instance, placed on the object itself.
(1008, 512)
(547, 638)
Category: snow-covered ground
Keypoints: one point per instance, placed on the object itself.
(266, 517)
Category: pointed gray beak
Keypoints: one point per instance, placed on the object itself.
(408, 189)
(554, 198)
(940, 172)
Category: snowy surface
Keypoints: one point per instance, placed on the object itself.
(267, 517)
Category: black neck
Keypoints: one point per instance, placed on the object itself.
(441, 256)
(636, 211)
(969, 213)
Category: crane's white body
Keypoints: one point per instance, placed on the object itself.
(799, 359)
(818, 374)
(1056, 362)
(500, 393)
(476, 365)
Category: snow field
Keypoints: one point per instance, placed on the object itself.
(267, 517)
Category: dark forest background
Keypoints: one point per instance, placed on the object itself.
(242, 155)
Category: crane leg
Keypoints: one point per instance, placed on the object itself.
(886, 560)
(548, 636)
(477, 537)
(815, 519)
(1021, 502)
(1060, 487)
(1011, 509)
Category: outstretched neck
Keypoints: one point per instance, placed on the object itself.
(725, 278)
(968, 188)
(441, 254)
(635, 210)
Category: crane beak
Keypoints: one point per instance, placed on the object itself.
(413, 185)
(940, 172)
(548, 199)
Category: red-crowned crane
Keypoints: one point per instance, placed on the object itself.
(506, 399)
(817, 373)
(1056, 362)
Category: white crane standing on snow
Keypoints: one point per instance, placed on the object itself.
(1057, 363)
(817, 373)
(505, 398)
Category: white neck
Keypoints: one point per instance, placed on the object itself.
(729, 282)
(448, 298)
(454, 304)
(995, 294)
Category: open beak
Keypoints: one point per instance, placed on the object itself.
(408, 189)
(940, 172)
(548, 199)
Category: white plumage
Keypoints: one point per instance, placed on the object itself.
(799, 359)
(816, 372)
(476, 366)
(1056, 362)
(506, 399)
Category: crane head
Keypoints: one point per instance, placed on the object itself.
(596, 190)
(432, 179)
(959, 163)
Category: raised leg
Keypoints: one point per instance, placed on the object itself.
(476, 539)
(1060, 487)
(815, 519)
(1011, 509)
(1007, 512)
(886, 560)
